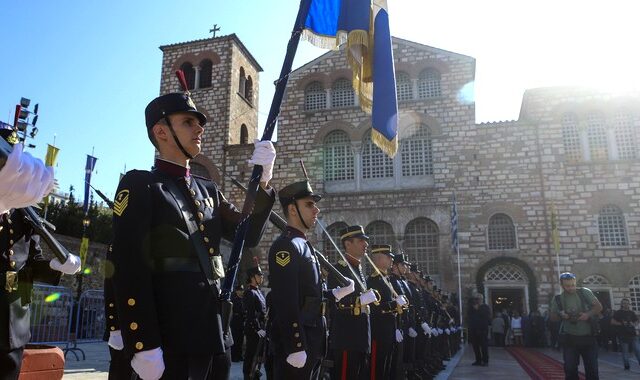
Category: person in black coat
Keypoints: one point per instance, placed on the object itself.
(479, 322)
(237, 324)
(168, 226)
(254, 308)
(21, 263)
(350, 335)
(297, 289)
(384, 324)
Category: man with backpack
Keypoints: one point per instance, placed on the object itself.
(577, 309)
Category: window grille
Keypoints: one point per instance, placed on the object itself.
(429, 84)
(611, 227)
(338, 157)
(416, 154)
(502, 232)
(381, 232)
(375, 164)
(597, 136)
(421, 243)
(634, 293)
(625, 137)
(506, 273)
(404, 89)
(342, 94)
(571, 138)
(315, 97)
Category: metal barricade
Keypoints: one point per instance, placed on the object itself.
(89, 321)
(51, 310)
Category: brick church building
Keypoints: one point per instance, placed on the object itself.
(571, 160)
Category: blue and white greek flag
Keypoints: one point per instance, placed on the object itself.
(454, 225)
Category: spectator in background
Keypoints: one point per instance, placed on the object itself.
(479, 322)
(516, 327)
(237, 324)
(626, 322)
(498, 329)
(576, 307)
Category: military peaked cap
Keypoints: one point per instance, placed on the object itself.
(297, 190)
(168, 104)
(353, 232)
(383, 249)
(401, 259)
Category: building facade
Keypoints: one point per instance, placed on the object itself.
(568, 167)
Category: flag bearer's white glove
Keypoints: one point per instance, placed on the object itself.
(264, 155)
(340, 292)
(149, 364)
(297, 359)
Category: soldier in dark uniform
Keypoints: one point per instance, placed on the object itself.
(403, 360)
(254, 308)
(298, 292)
(21, 263)
(119, 364)
(237, 324)
(384, 327)
(350, 338)
(168, 226)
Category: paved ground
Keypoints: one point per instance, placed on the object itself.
(502, 365)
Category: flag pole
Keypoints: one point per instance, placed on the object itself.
(254, 181)
(459, 272)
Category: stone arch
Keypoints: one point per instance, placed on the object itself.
(331, 126)
(532, 285)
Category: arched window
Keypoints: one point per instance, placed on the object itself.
(338, 157)
(315, 97)
(611, 227)
(380, 232)
(334, 231)
(595, 280)
(625, 136)
(189, 74)
(429, 84)
(242, 82)
(403, 86)
(502, 232)
(597, 136)
(415, 152)
(421, 243)
(375, 164)
(506, 273)
(244, 134)
(342, 94)
(205, 73)
(248, 90)
(634, 293)
(571, 137)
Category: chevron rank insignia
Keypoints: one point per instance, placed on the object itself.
(121, 202)
(283, 258)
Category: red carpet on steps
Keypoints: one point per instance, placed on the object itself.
(538, 365)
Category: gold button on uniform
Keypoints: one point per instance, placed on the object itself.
(10, 242)
(198, 203)
(111, 305)
(133, 326)
(192, 192)
(200, 215)
(202, 227)
(111, 317)
(13, 264)
(206, 239)
(296, 335)
(299, 345)
(131, 301)
(139, 346)
(295, 324)
(211, 251)
(113, 328)
(11, 252)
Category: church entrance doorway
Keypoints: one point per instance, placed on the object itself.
(507, 299)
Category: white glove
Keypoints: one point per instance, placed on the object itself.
(434, 332)
(412, 332)
(339, 292)
(297, 359)
(148, 364)
(262, 333)
(401, 300)
(264, 155)
(447, 331)
(71, 266)
(425, 328)
(24, 180)
(440, 331)
(115, 340)
(398, 336)
(368, 297)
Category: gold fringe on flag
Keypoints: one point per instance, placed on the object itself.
(389, 147)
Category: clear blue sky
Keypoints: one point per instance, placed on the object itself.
(94, 65)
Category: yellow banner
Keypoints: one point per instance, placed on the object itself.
(555, 235)
(84, 248)
(52, 155)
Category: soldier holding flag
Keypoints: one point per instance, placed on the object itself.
(168, 226)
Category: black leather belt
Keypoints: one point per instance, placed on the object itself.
(177, 264)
